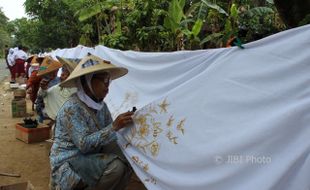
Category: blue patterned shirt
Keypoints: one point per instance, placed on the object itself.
(77, 136)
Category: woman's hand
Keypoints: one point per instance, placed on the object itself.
(122, 120)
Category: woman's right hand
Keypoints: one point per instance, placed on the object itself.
(122, 120)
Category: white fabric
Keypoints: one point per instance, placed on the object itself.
(218, 119)
(20, 54)
(59, 72)
(88, 81)
(78, 52)
(55, 98)
(86, 99)
(10, 56)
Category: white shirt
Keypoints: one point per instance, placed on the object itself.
(20, 54)
(11, 55)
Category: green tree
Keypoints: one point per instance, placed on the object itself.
(5, 38)
(98, 18)
(151, 25)
(55, 24)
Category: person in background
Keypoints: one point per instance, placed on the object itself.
(34, 64)
(56, 96)
(85, 154)
(20, 57)
(33, 81)
(11, 63)
(48, 72)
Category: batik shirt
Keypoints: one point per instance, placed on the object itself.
(78, 136)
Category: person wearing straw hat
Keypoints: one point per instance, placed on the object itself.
(48, 72)
(20, 56)
(33, 81)
(85, 154)
(33, 64)
(11, 62)
(56, 96)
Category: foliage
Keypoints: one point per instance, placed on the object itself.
(145, 25)
(53, 25)
(4, 32)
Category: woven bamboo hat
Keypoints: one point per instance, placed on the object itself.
(48, 65)
(34, 60)
(93, 64)
(70, 64)
(31, 58)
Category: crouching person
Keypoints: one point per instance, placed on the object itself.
(85, 154)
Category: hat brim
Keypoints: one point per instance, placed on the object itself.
(92, 64)
(35, 64)
(38, 61)
(115, 73)
(67, 63)
(29, 59)
(49, 70)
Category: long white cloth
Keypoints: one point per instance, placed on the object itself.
(218, 119)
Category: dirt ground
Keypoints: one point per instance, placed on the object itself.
(31, 161)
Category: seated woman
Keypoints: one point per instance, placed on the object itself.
(55, 96)
(85, 153)
(48, 72)
(33, 81)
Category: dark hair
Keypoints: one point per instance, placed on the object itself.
(86, 89)
(101, 73)
(293, 12)
(83, 79)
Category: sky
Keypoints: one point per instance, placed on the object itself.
(13, 8)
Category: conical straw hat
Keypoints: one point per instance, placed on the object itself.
(70, 64)
(93, 64)
(48, 65)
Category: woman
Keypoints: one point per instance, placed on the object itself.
(33, 81)
(85, 153)
(48, 72)
(55, 96)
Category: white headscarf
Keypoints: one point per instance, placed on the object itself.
(84, 97)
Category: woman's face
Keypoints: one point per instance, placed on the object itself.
(100, 84)
(50, 76)
(65, 74)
